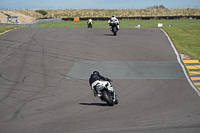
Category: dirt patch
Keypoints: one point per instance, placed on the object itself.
(3, 18)
(184, 56)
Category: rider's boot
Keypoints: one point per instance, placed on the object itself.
(101, 98)
(115, 100)
(110, 28)
(96, 94)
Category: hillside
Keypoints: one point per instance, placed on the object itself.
(28, 16)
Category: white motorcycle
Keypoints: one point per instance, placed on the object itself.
(115, 27)
(107, 93)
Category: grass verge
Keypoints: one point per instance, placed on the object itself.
(185, 36)
(4, 28)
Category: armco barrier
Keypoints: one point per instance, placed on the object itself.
(140, 18)
(100, 18)
(36, 22)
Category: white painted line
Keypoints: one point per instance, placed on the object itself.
(180, 62)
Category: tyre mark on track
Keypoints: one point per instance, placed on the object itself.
(18, 75)
(31, 98)
(22, 53)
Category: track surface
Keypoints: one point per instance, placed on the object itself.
(37, 97)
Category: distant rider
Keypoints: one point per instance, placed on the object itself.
(89, 22)
(112, 20)
(94, 80)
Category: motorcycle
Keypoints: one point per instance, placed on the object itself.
(89, 24)
(107, 93)
(115, 27)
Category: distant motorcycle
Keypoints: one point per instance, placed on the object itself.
(105, 89)
(90, 23)
(115, 27)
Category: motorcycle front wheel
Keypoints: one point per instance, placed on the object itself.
(115, 30)
(106, 97)
(89, 26)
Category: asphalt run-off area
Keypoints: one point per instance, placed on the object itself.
(44, 85)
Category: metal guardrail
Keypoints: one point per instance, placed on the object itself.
(36, 22)
(140, 18)
(99, 18)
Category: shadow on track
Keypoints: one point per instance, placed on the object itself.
(108, 34)
(96, 104)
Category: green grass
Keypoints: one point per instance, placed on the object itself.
(185, 37)
(103, 24)
(65, 24)
(7, 27)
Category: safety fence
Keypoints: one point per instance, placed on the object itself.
(103, 18)
(36, 22)
(139, 18)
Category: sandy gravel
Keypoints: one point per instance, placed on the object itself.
(21, 17)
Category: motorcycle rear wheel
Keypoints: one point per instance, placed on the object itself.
(106, 97)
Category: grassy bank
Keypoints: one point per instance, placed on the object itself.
(70, 13)
(186, 38)
(31, 15)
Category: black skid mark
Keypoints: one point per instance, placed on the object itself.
(23, 79)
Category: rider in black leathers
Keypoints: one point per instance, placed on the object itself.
(95, 76)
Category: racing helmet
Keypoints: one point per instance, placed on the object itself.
(90, 20)
(112, 17)
(96, 72)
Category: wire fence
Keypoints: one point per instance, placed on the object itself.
(136, 18)
(99, 18)
(36, 22)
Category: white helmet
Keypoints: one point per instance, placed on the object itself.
(113, 17)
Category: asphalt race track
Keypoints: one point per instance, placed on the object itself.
(44, 82)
